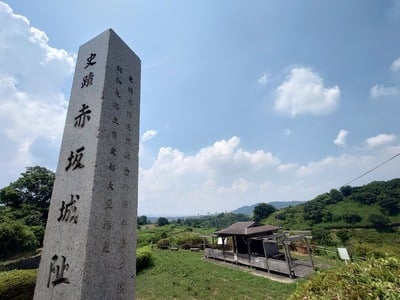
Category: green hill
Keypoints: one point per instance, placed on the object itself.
(374, 205)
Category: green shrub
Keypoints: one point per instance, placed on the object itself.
(38, 231)
(187, 240)
(379, 221)
(144, 258)
(15, 238)
(17, 284)
(321, 236)
(159, 235)
(352, 218)
(373, 279)
(163, 244)
(343, 235)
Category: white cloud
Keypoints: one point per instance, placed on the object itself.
(223, 176)
(381, 91)
(148, 135)
(381, 140)
(395, 66)
(287, 167)
(303, 92)
(241, 185)
(341, 138)
(33, 104)
(263, 79)
(212, 177)
(378, 91)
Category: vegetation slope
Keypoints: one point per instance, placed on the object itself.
(375, 205)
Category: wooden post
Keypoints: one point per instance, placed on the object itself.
(223, 247)
(266, 256)
(287, 258)
(309, 252)
(235, 249)
(248, 250)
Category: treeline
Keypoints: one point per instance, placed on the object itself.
(217, 221)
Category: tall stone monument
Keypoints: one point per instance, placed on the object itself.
(90, 239)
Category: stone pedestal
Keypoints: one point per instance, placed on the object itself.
(90, 239)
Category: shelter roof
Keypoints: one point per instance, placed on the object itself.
(247, 229)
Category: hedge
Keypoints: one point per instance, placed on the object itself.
(17, 284)
(20, 284)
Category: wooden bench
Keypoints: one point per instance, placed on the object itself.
(195, 249)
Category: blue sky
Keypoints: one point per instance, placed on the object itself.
(241, 102)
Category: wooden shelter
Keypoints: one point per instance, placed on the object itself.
(260, 246)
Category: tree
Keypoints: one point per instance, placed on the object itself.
(33, 189)
(313, 211)
(390, 203)
(142, 220)
(345, 190)
(162, 221)
(262, 210)
(379, 221)
(335, 196)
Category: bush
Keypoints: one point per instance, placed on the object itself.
(321, 236)
(15, 238)
(20, 284)
(379, 221)
(352, 218)
(373, 279)
(343, 235)
(188, 240)
(144, 259)
(38, 231)
(163, 244)
(17, 284)
(159, 235)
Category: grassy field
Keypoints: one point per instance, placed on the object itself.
(186, 275)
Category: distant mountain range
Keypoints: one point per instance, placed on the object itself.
(248, 209)
(245, 210)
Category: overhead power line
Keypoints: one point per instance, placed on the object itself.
(373, 169)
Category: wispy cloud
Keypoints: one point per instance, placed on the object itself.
(263, 80)
(395, 66)
(148, 135)
(341, 138)
(303, 92)
(379, 91)
(287, 131)
(381, 140)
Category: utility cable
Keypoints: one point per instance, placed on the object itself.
(369, 171)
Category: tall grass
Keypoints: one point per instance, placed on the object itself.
(373, 279)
